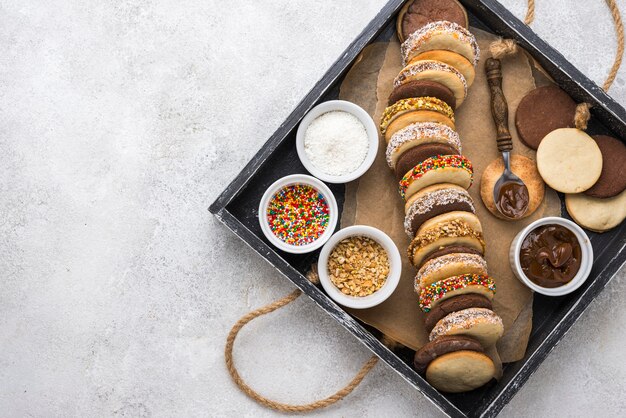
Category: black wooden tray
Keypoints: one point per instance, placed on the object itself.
(552, 317)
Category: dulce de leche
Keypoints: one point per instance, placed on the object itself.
(550, 255)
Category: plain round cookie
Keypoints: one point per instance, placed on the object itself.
(541, 111)
(481, 324)
(524, 168)
(612, 180)
(418, 13)
(569, 160)
(460, 371)
(598, 215)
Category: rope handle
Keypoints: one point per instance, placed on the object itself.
(498, 49)
(280, 406)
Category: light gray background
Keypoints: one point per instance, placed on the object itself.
(120, 121)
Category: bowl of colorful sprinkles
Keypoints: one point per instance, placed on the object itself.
(298, 213)
(359, 267)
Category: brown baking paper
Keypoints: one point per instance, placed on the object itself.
(374, 199)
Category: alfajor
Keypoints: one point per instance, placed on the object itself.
(461, 229)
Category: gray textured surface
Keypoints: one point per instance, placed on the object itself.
(120, 122)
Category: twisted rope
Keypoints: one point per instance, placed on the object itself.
(530, 12)
(619, 53)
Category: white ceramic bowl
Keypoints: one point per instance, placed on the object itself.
(370, 128)
(376, 298)
(586, 257)
(291, 180)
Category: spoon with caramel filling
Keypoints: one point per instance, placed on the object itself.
(510, 194)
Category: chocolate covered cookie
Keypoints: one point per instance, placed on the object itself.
(444, 345)
(457, 303)
(416, 155)
(417, 13)
(451, 249)
(422, 88)
(612, 179)
(541, 111)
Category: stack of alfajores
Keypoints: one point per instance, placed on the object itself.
(424, 150)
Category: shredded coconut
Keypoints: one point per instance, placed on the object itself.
(336, 143)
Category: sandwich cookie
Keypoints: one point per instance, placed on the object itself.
(612, 179)
(481, 324)
(460, 371)
(453, 59)
(455, 169)
(442, 346)
(441, 35)
(422, 88)
(417, 13)
(414, 136)
(525, 169)
(598, 215)
(459, 229)
(433, 201)
(437, 71)
(449, 265)
(542, 111)
(414, 110)
(450, 249)
(432, 295)
(457, 303)
(569, 160)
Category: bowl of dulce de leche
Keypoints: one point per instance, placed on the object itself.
(552, 256)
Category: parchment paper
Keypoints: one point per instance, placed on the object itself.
(374, 199)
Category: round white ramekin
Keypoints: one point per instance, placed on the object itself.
(370, 128)
(288, 181)
(586, 257)
(376, 298)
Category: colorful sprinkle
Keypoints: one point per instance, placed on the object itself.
(437, 290)
(298, 214)
(434, 163)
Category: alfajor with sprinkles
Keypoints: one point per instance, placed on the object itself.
(455, 169)
(441, 290)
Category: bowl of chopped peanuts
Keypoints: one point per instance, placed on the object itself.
(359, 267)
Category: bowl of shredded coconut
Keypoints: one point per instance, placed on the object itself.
(337, 141)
